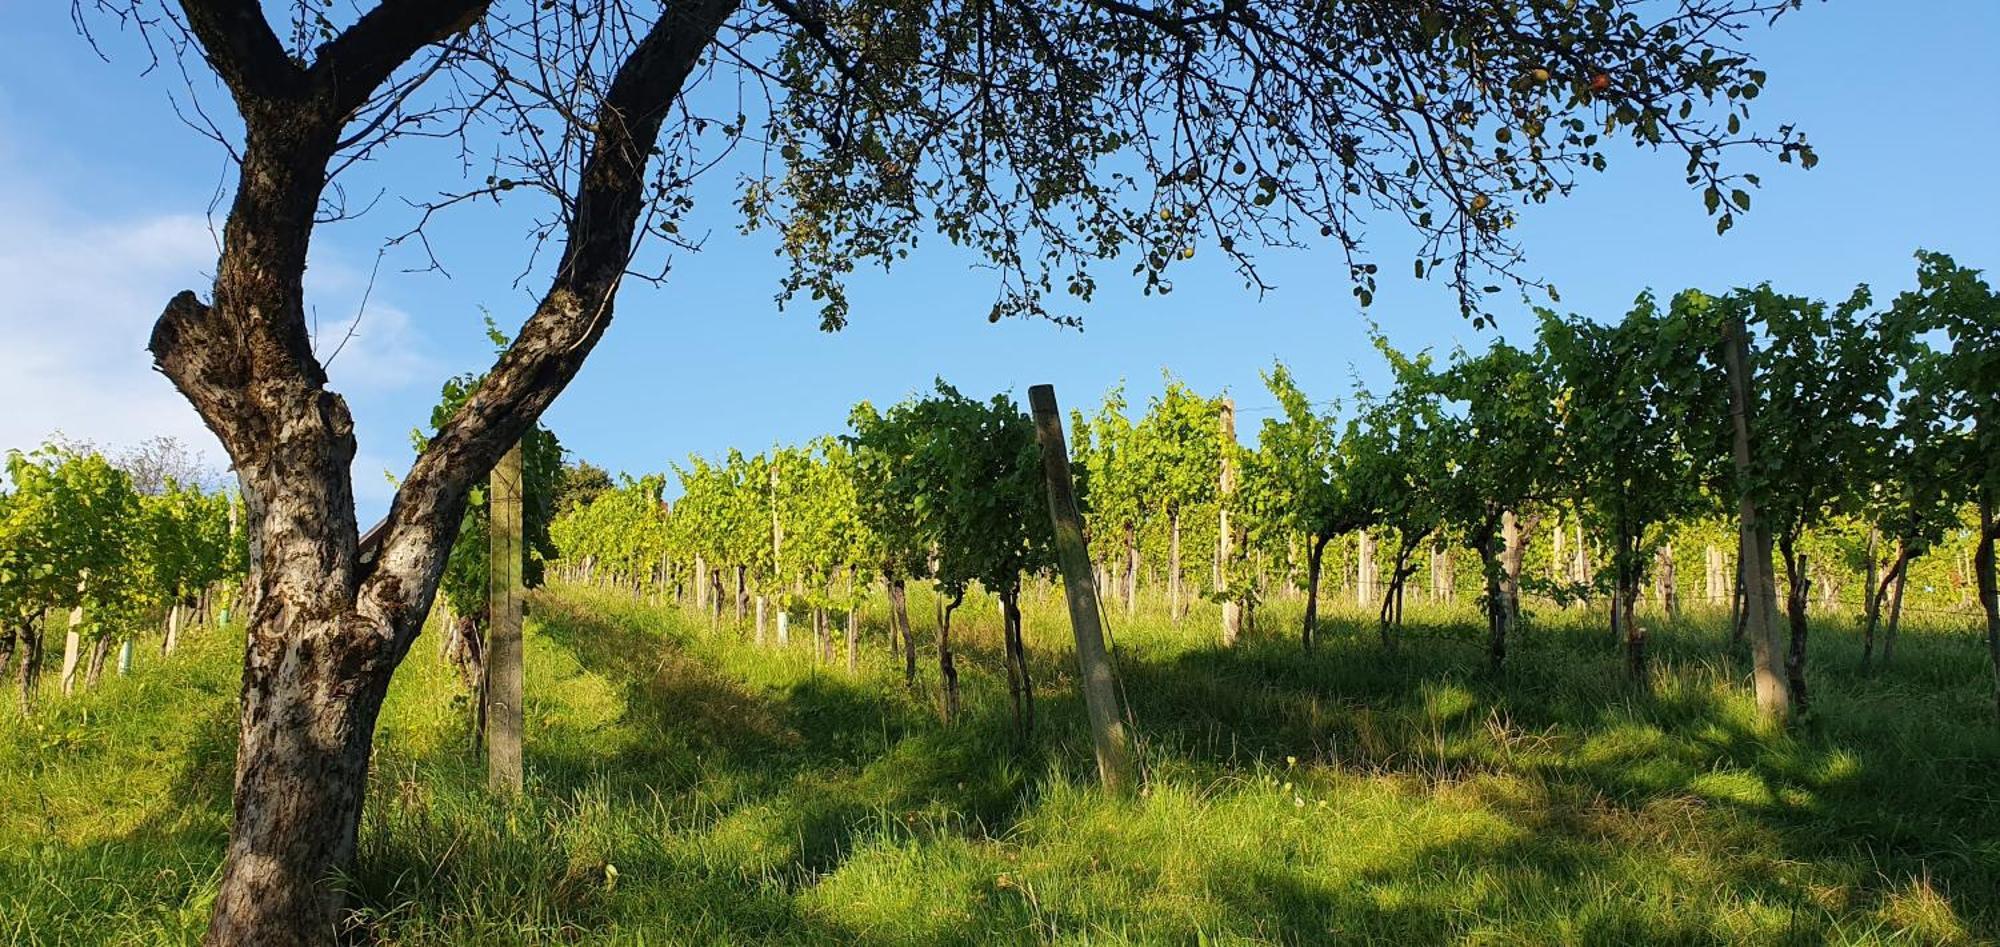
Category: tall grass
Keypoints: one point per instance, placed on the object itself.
(689, 787)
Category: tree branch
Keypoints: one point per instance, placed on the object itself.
(364, 55)
(238, 43)
(570, 318)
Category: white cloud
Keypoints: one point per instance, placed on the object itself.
(80, 298)
(80, 301)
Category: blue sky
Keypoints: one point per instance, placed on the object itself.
(104, 200)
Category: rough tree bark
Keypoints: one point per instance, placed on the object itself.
(327, 627)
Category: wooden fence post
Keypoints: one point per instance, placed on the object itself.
(504, 685)
(1098, 678)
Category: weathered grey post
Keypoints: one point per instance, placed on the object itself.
(1097, 676)
(504, 720)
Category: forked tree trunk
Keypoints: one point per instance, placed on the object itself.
(1889, 583)
(329, 622)
(1020, 685)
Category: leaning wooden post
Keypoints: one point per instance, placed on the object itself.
(1097, 676)
(1753, 537)
(504, 717)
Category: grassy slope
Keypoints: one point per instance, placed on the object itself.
(687, 787)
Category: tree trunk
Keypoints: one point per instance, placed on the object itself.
(947, 667)
(899, 623)
(1496, 616)
(1635, 633)
(1895, 617)
(28, 663)
(1798, 586)
(8, 637)
(1880, 588)
(1020, 685)
(1315, 557)
(299, 787)
(100, 649)
(822, 635)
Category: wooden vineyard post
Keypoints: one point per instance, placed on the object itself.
(1753, 538)
(1097, 676)
(1232, 610)
(504, 717)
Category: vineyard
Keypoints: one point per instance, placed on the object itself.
(1454, 593)
(831, 690)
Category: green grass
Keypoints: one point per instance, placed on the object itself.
(686, 787)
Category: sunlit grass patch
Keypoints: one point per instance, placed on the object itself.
(686, 786)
